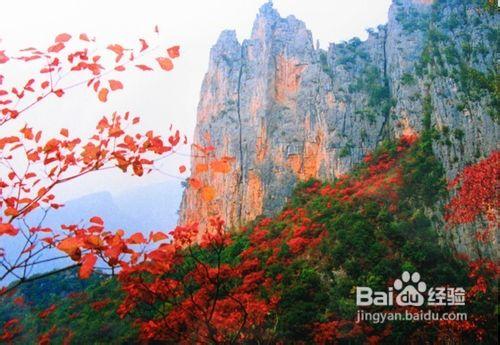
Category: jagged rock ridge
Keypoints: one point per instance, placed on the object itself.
(288, 111)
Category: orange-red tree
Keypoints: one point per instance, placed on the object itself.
(476, 197)
(476, 200)
(193, 292)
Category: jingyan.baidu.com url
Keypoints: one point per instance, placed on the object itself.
(422, 315)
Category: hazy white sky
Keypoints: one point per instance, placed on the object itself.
(160, 98)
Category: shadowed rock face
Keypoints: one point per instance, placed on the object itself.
(287, 111)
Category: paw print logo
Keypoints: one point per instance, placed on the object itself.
(411, 294)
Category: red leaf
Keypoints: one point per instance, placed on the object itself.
(97, 220)
(3, 58)
(59, 93)
(8, 229)
(56, 48)
(137, 238)
(43, 314)
(103, 95)
(144, 44)
(159, 236)
(118, 49)
(29, 85)
(8, 140)
(27, 132)
(61, 38)
(144, 67)
(165, 63)
(84, 37)
(29, 249)
(88, 263)
(138, 169)
(182, 169)
(69, 245)
(11, 211)
(115, 85)
(173, 52)
(64, 132)
(98, 305)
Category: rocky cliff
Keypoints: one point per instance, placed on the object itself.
(288, 111)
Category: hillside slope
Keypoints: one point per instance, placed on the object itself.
(287, 111)
(290, 278)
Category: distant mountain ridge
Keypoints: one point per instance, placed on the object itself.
(140, 209)
(152, 207)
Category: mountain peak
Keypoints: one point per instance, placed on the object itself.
(269, 24)
(227, 36)
(267, 8)
(267, 13)
(226, 49)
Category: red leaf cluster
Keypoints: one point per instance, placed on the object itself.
(477, 194)
(35, 165)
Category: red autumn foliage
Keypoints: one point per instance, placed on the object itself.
(213, 313)
(45, 313)
(477, 195)
(481, 271)
(227, 305)
(53, 161)
(380, 181)
(10, 330)
(208, 302)
(46, 338)
(217, 302)
(50, 162)
(98, 305)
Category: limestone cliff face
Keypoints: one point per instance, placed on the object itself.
(287, 111)
(444, 56)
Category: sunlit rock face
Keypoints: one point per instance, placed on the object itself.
(288, 111)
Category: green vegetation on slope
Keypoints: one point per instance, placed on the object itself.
(85, 310)
(363, 229)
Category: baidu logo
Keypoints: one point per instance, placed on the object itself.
(410, 290)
